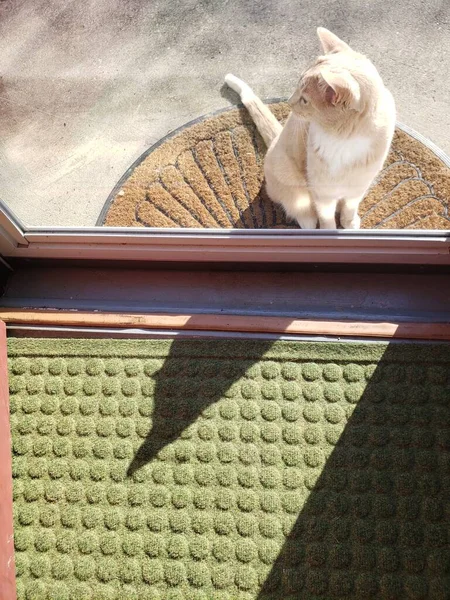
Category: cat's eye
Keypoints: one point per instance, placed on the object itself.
(303, 100)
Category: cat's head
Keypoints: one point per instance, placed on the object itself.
(339, 85)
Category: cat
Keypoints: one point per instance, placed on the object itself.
(335, 140)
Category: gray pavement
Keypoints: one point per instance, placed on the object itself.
(87, 85)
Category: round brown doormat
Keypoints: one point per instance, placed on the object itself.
(209, 174)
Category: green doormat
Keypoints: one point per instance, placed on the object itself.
(230, 470)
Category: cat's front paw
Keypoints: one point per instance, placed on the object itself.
(328, 224)
(307, 218)
(353, 223)
(307, 221)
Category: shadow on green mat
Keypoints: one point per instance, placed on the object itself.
(374, 524)
(180, 396)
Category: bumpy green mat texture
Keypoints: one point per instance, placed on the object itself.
(230, 470)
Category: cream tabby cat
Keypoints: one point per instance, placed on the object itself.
(335, 140)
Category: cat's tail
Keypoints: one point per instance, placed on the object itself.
(264, 119)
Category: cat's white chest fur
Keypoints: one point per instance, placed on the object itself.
(338, 153)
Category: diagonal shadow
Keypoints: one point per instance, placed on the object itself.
(184, 389)
(375, 523)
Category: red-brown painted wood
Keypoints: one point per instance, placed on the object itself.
(230, 323)
(7, 566)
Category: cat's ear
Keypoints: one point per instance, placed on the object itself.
(342, 88)
(330, 42)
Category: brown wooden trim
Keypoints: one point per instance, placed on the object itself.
(7, 565)
(232, 323)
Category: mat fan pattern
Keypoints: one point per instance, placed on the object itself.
(278, 471)
(210, 175)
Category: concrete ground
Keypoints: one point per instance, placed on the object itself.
(87, 85)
